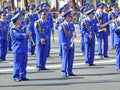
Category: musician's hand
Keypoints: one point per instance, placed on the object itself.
(29, 34)
(108, 34)
(101, 27)
(42, 41)
(90, 37)
(65, 48)
(8, 32)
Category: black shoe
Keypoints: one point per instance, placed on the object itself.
(32, 53)
(17, 80)
(24, 79)
(44, 69)
(106, 57)
(72, 74)
(92, 65)
(10, 49)
(3, 59)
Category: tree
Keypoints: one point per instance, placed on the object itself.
(12, 2)
(26, 4)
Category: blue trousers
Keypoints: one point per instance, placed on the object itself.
(112, 39)
(20, 65)
(60, 46)
(48, 47)
(82, 44)
(117, 56)
(9, 44)
(67, 60)
(41, 56)
(3, 49)
(89, 53)
(103, 38)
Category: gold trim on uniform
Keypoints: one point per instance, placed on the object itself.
(67, 33)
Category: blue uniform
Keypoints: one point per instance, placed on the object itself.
(42, 31)
(20, 49)
(66, 33)
(58, 22)
(82, 17)
(30, 18)
(4, 25)
(88, 27)
(8, 17)
(116, 30)
(50, 19)
(112, 15)
(102, 34)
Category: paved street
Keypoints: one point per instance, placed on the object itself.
(103, 76)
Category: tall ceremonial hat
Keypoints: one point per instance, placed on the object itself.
(114, 5)
(63, 8)
(7, 8)
(31, 6)
(92, 10)
(16, 16)
(42, 11)
(3, 12)
(40, 5)
(45, 4)
(66, 6)
(17, 11)
(68, 13)
(100, 5)
(86, 4)
(83, 9)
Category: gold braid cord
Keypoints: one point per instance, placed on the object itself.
(112, 15)
(41, 30)
(67, 33)
(85, 24)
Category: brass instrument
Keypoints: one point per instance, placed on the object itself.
(102, 27)
(30, 37)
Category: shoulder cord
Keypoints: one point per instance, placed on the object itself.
(116, 23)
(112, 16)
(67, 33)
(98, 20)
(59, 21)
(28, 18)
(41, 30)
(85, 24)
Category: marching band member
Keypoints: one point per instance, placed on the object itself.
(112, 15)
(59, 20)
(67, 37)
(30, 18)
(19, 47)
(42, 31)
(82, 17)
(88, 29)
(4, 26)
(116, 29)
(45, 5)
(103, 31)
(8, 17)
